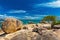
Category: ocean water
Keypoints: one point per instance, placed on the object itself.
(24, 21)
(27, 21)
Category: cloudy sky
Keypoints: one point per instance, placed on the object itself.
(29, 9)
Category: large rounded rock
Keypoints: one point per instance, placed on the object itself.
(46, 34)
(28, 35)
(1, 38)
(23, 35)
(11, 25)
(49, 36)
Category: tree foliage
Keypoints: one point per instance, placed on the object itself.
(50, 19)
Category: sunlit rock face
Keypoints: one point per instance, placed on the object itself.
(11, 25)
(49, 36)
(23, 35)
(46, 34)
(28, 35)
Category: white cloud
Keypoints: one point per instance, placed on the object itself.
(17, 11)
(41, 15)
(34, 17)
(54, 4)
(2, 16)
(6, 16)
(31, 17)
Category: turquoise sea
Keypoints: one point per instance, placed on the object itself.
(24, 21)
(27, 21)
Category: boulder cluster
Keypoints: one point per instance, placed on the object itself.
(28, 35)
(17, 31)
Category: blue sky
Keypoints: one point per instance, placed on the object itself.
(29, 9)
